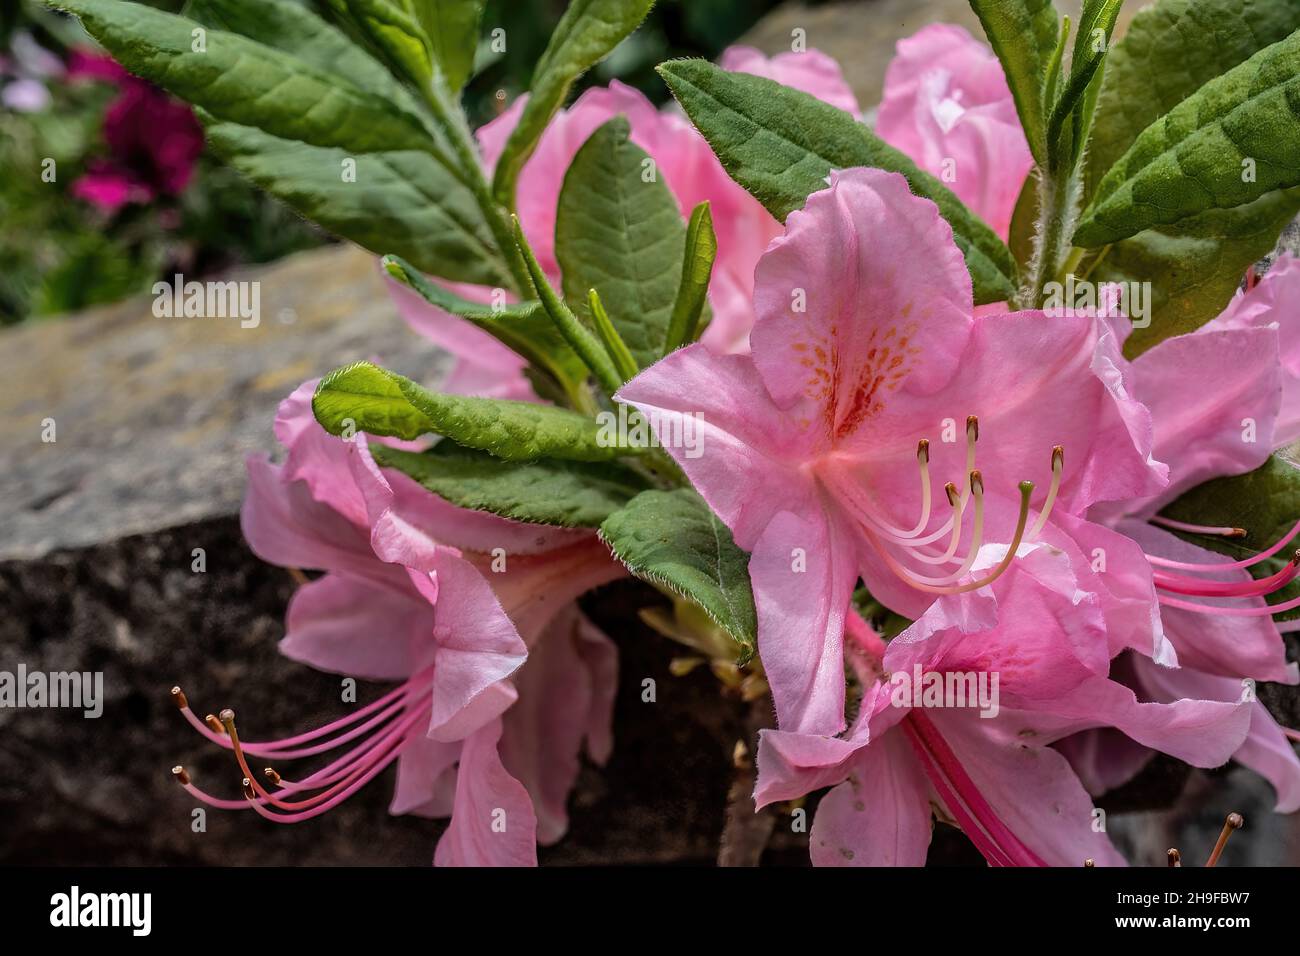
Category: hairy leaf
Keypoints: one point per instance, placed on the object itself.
(623, 236)
(1023, 33)
(1171, 49)
(673, 540)
(242, 81)
(1233, 141)
(364, 397)
(547, 491)
(781, 144)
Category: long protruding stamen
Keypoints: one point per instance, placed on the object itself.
(1227, 565)
(1233, 822)
(1198, 587)
(923, 463)
(1175, 858)
(954, 499)
(1265, 611)
(1199, 528)
(1058, 464)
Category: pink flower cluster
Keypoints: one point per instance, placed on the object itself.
(829, 431)
(153, 140)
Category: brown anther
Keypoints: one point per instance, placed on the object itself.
(1089, 864)
(976, 482)
(953, 498)
(227, 718)
(178, 696)
(1295, 557)
(272, 776)
(1058, 456)
(923, 451)
(973, 427)
(1175, 858)
(181, 775)
(249, 792)
(1236, 533)
(1233, 822)
(214, 724)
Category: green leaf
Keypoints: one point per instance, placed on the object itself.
(1196, 158)
(1078, 98)
(364, 397)
(1023, 34)
(1196, 266)
(781, 144)
(1170, 50)
(548, 491)
(586, 33)
(522, 326)
(395, 32)
(1264, 502)
(673, 540)
(401, 202)
(452, 28)
(289, 26)
(697, 270)
(241, 81)
(622, 236)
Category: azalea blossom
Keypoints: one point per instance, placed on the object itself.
(820, 446)
(503, 679)
(947, 105)
(1212, 610)
(996, 777)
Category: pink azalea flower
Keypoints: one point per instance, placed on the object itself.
(866, 355)
(154, 141)
(947, 105)
(990, 770)
(1212, 610)
(465, 641)
(689, 169)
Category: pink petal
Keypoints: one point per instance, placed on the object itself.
(845, 318)
(544, 731)
(345, 625)
(1271, 304)
(1200, 430)
(946, 101)
(477, 647)
(1031, 788)
(811, 71)
(751, 449)
(1266, 750)
(803, 571)
(880, 816)
(493, 822)
(426, 778)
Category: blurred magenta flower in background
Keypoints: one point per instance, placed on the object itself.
(153, 140)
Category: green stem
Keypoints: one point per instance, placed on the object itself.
(452, 122)
(575, 333)
(1056, 220)
(614, 344)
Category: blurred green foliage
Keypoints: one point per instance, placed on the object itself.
(59, 254)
